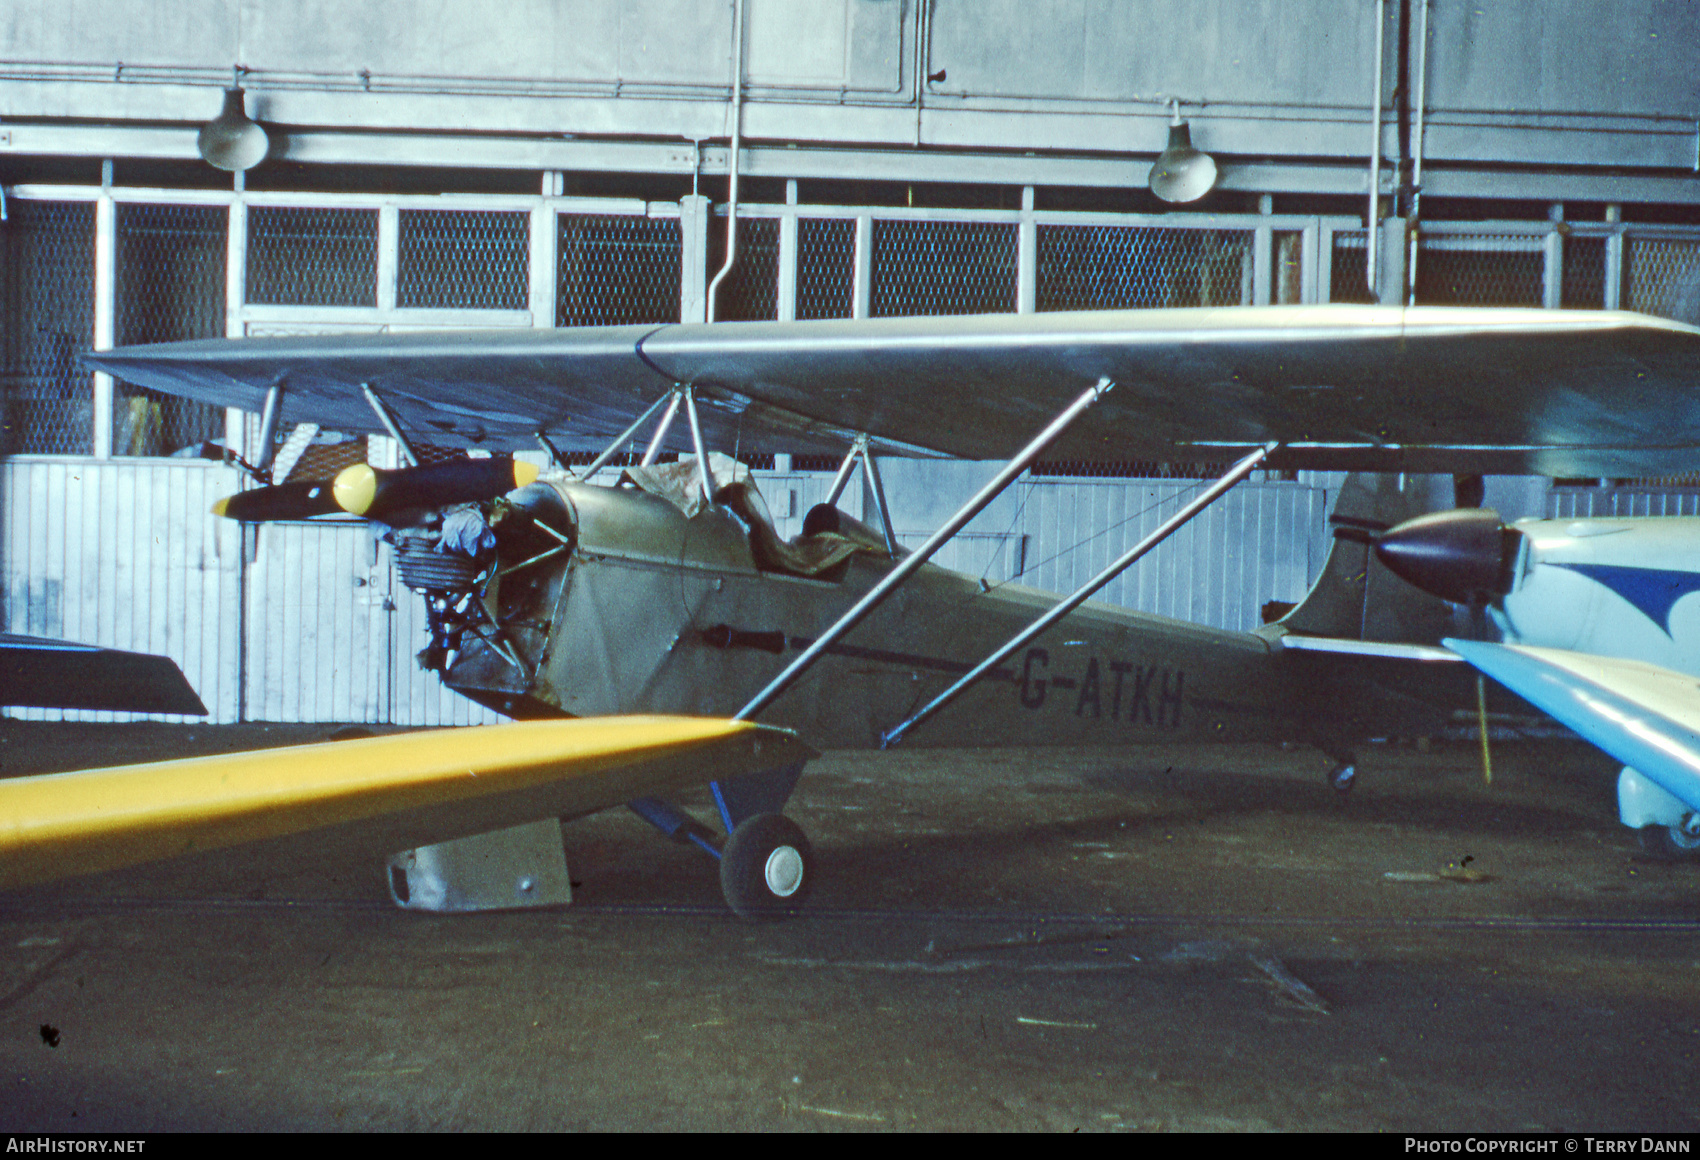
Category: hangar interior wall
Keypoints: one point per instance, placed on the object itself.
(900, 157)
(106, 536)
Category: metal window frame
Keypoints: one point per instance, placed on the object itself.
(1316, 234)
(241, 429)
(1317, 245)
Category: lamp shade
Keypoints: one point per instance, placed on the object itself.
(1182, 173)
(230, 140)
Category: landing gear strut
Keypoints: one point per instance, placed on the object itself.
(766, 867)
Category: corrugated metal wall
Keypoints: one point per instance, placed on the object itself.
(306, 622)
(124, 554)
(1260, 542)
(1565, 503)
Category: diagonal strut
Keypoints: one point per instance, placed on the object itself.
(1169, 526)
(907, 566)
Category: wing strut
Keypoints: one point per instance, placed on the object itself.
(662, 428)
(703, 468)
(1168, 528)
(387, 418)
(861, 451)
(909, 564)
(269, 417)
(844, 470)
(873, 473)
(613, 448)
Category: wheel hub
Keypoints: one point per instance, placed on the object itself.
(784, 871)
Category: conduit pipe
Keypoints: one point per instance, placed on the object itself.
(1372, 219)
(1417, 155)
(737, 146)
(923, 27)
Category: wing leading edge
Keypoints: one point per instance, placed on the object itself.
(399, 791)
(1344, 387)
(1644, 716)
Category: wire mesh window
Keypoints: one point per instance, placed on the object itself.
(1125, 267)
(750, 292)
(46, 321)
(1662, 277)
(1584, 283)
(170, 287)
(1481, 270)
(463, 259)
(826, 267)
(617, 270)
(1127, 469)
(929, 268)
(310, 256)
(327, 456)
(1348, 268)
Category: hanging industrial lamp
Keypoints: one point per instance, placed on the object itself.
(1182, 173)
(230, 140)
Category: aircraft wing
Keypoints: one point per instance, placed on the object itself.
(62, 674)
(404, 790)
(1645, 716)
(1344, 387)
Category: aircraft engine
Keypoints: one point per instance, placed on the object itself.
(1465, 555)
(476, 563)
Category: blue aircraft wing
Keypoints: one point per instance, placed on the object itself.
(1645, 716)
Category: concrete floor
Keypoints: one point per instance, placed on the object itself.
(1137, 940)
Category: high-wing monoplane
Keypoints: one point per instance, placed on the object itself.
(671, 593)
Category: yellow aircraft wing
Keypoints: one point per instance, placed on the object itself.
(408, 789)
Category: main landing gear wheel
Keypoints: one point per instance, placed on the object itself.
(1343, 777)
(767, 867)
(1678, 843)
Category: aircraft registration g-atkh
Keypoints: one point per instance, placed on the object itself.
(641, 631)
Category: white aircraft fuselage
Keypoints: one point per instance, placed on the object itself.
(1610, 587)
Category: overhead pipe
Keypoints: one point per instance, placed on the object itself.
(923, 30)
(1373, 219)
(737, 146)
(1417, 154)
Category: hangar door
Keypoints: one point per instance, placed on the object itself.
(331, 634)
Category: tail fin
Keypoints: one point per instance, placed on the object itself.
(1356, 597)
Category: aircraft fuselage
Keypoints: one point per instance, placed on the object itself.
(1610, 587)
(652, 611)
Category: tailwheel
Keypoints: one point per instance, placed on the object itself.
(766, 867)
(1678, 843)
(1343, 777)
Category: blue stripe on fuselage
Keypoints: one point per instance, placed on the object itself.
(1654, 591)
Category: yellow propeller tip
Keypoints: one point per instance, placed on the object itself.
(219, 507)
(525, 473)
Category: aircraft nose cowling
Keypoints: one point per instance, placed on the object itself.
(1465, 555)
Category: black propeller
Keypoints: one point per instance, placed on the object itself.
(376, 493)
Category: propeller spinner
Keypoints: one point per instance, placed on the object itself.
(1466, 555)
(377, 494)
